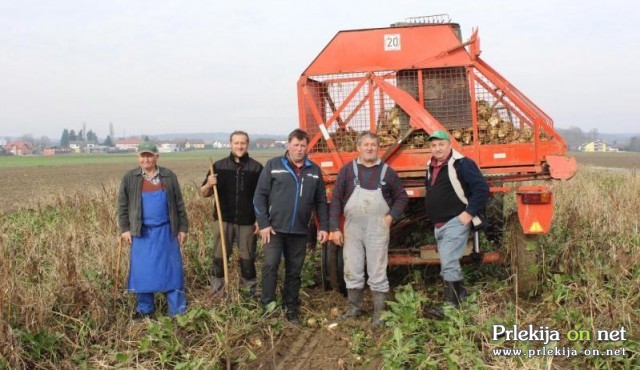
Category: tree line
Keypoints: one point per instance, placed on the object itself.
(69, 136)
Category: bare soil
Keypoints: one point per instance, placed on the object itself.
(21, 187)
(326, 345)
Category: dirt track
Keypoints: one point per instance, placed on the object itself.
(326, 346)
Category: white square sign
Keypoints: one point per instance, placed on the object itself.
(392, 42)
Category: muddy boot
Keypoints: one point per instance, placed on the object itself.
(379, 305)
(248, 281)
(451, 298)
(355, 304)
(249, 287)
(293, 315)
(460, 291)
(217, 278)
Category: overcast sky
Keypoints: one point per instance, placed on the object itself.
(152, 66)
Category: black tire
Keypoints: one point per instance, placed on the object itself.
(495, 218)
(524, 251)
(333, 268)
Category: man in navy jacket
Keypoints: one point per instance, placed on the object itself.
(289, 189)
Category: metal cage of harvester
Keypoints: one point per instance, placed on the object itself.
(406, 81)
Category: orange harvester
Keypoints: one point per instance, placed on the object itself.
(410, 79)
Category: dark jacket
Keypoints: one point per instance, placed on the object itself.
(441, 201)
(285, 200)
(130, 202)
(237, 183)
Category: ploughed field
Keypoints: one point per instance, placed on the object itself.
(34, 179)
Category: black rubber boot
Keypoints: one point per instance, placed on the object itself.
(454, 294)
(460, 291)
(450, 295)
(292, 315)
(379, 304)
(248, 281)
(354, 297)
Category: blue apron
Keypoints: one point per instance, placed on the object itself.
(156, 262)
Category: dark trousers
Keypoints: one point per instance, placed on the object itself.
(294, 249)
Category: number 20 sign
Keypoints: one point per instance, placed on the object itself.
(392, 42)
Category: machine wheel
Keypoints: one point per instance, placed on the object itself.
(524, 251)
(333, 268)
(495, 217)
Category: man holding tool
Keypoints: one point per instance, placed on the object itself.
(235, 178)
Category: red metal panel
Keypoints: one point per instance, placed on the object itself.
(409, 160)
(504, 155)
(364, 50)
(561, 168)
(534, 218)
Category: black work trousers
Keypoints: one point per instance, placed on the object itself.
(293, 248)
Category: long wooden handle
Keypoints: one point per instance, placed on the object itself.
(222, 238)
(117, 275)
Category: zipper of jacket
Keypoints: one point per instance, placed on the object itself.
(235, 216)
(295, 203)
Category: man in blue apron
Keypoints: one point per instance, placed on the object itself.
(369, 194)
(153, 220)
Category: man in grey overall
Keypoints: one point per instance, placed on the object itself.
(369, 194)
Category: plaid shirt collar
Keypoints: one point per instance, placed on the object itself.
(155, 179)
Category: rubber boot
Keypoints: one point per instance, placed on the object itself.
(217, 278)
(354, 297)
(379, 304)
(292, 315)
(450, 295)
(454, 293)
(248, 280)
(460, 291)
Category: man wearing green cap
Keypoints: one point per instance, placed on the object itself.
(456, 194)
(153, 220)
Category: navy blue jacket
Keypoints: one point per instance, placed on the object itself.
(285, 200)
(441, 201)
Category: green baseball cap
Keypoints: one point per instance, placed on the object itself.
(440, 135)
(147, 147)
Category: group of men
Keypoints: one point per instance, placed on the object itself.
(277, 203)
